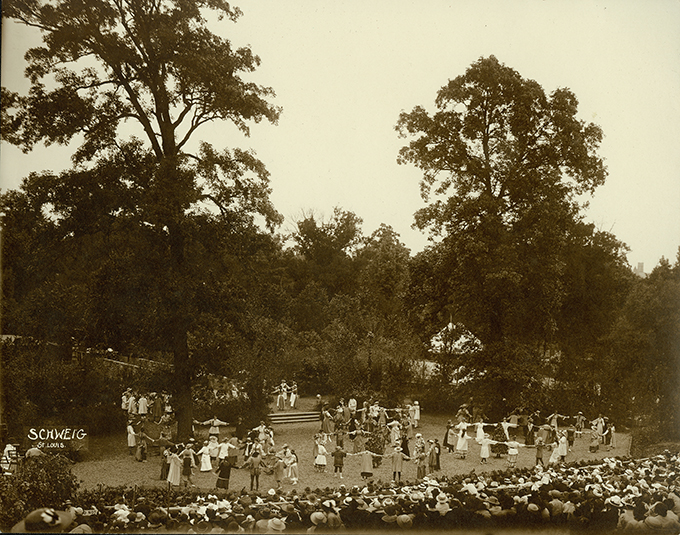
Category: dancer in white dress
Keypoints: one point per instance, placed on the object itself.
(320, 460)
(463, 437)
(204, 452)
(480, 431)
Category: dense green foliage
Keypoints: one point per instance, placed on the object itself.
(148, 248)
(158, 66)
(45, 481)
(503, 164)
(40, 387)
(640, 364)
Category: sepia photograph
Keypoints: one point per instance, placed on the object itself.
(296, 266)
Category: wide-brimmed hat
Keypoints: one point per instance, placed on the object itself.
(317, 517)
(361, 504)
(615, 501)
(157, 517)
(405, 521)
(262, 525)
(493, 500)
(287, 508)
(277, 524)
(44, 520)
(202, 526)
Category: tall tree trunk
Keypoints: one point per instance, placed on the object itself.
(180, 320)
(182, 380)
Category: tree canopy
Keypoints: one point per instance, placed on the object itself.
(503, 165)
(157, 68)
(156, 240)
(497, 146)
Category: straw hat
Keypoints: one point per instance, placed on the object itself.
(317, 517)
(277, 524)
(405, 521)
(44, 520)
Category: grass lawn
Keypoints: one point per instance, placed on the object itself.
(109, 463)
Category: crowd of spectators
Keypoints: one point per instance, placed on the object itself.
(614, 494)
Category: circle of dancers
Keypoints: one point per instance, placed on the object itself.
(371, 432)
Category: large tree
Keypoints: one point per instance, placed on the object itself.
(639, 369)
(326, 250)
(154, 64)
(503, 165)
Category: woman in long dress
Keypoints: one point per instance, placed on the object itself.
(187, 457)
(131, 438)
(320, 460)
(530, 433)
(223, 474)
(142, 445)
(293, 397)
(175, 470)
(280, 401)
(204, 452)
(594, 440)
(395, 433)
(555, 455)
(498, 446)
(450, 437)
(292, 464)
(328, 425)
(562, 446)
(214, 450)
(416, 413)
(462, 445)
(484, 451)
(366, 458)
(480, 431)
(432, 457)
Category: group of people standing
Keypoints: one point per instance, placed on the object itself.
(256, 453)
(501, 438)
(141, 409)
(373, 433)
(347, 422)
(286, 396)
(150, 406)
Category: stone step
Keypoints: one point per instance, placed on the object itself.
(293, 417)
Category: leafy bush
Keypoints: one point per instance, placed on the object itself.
(214, 400)
(311, 376)
(12, 503)
(39, 387)
(45, 481)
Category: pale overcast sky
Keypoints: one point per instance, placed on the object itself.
(343, 71)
